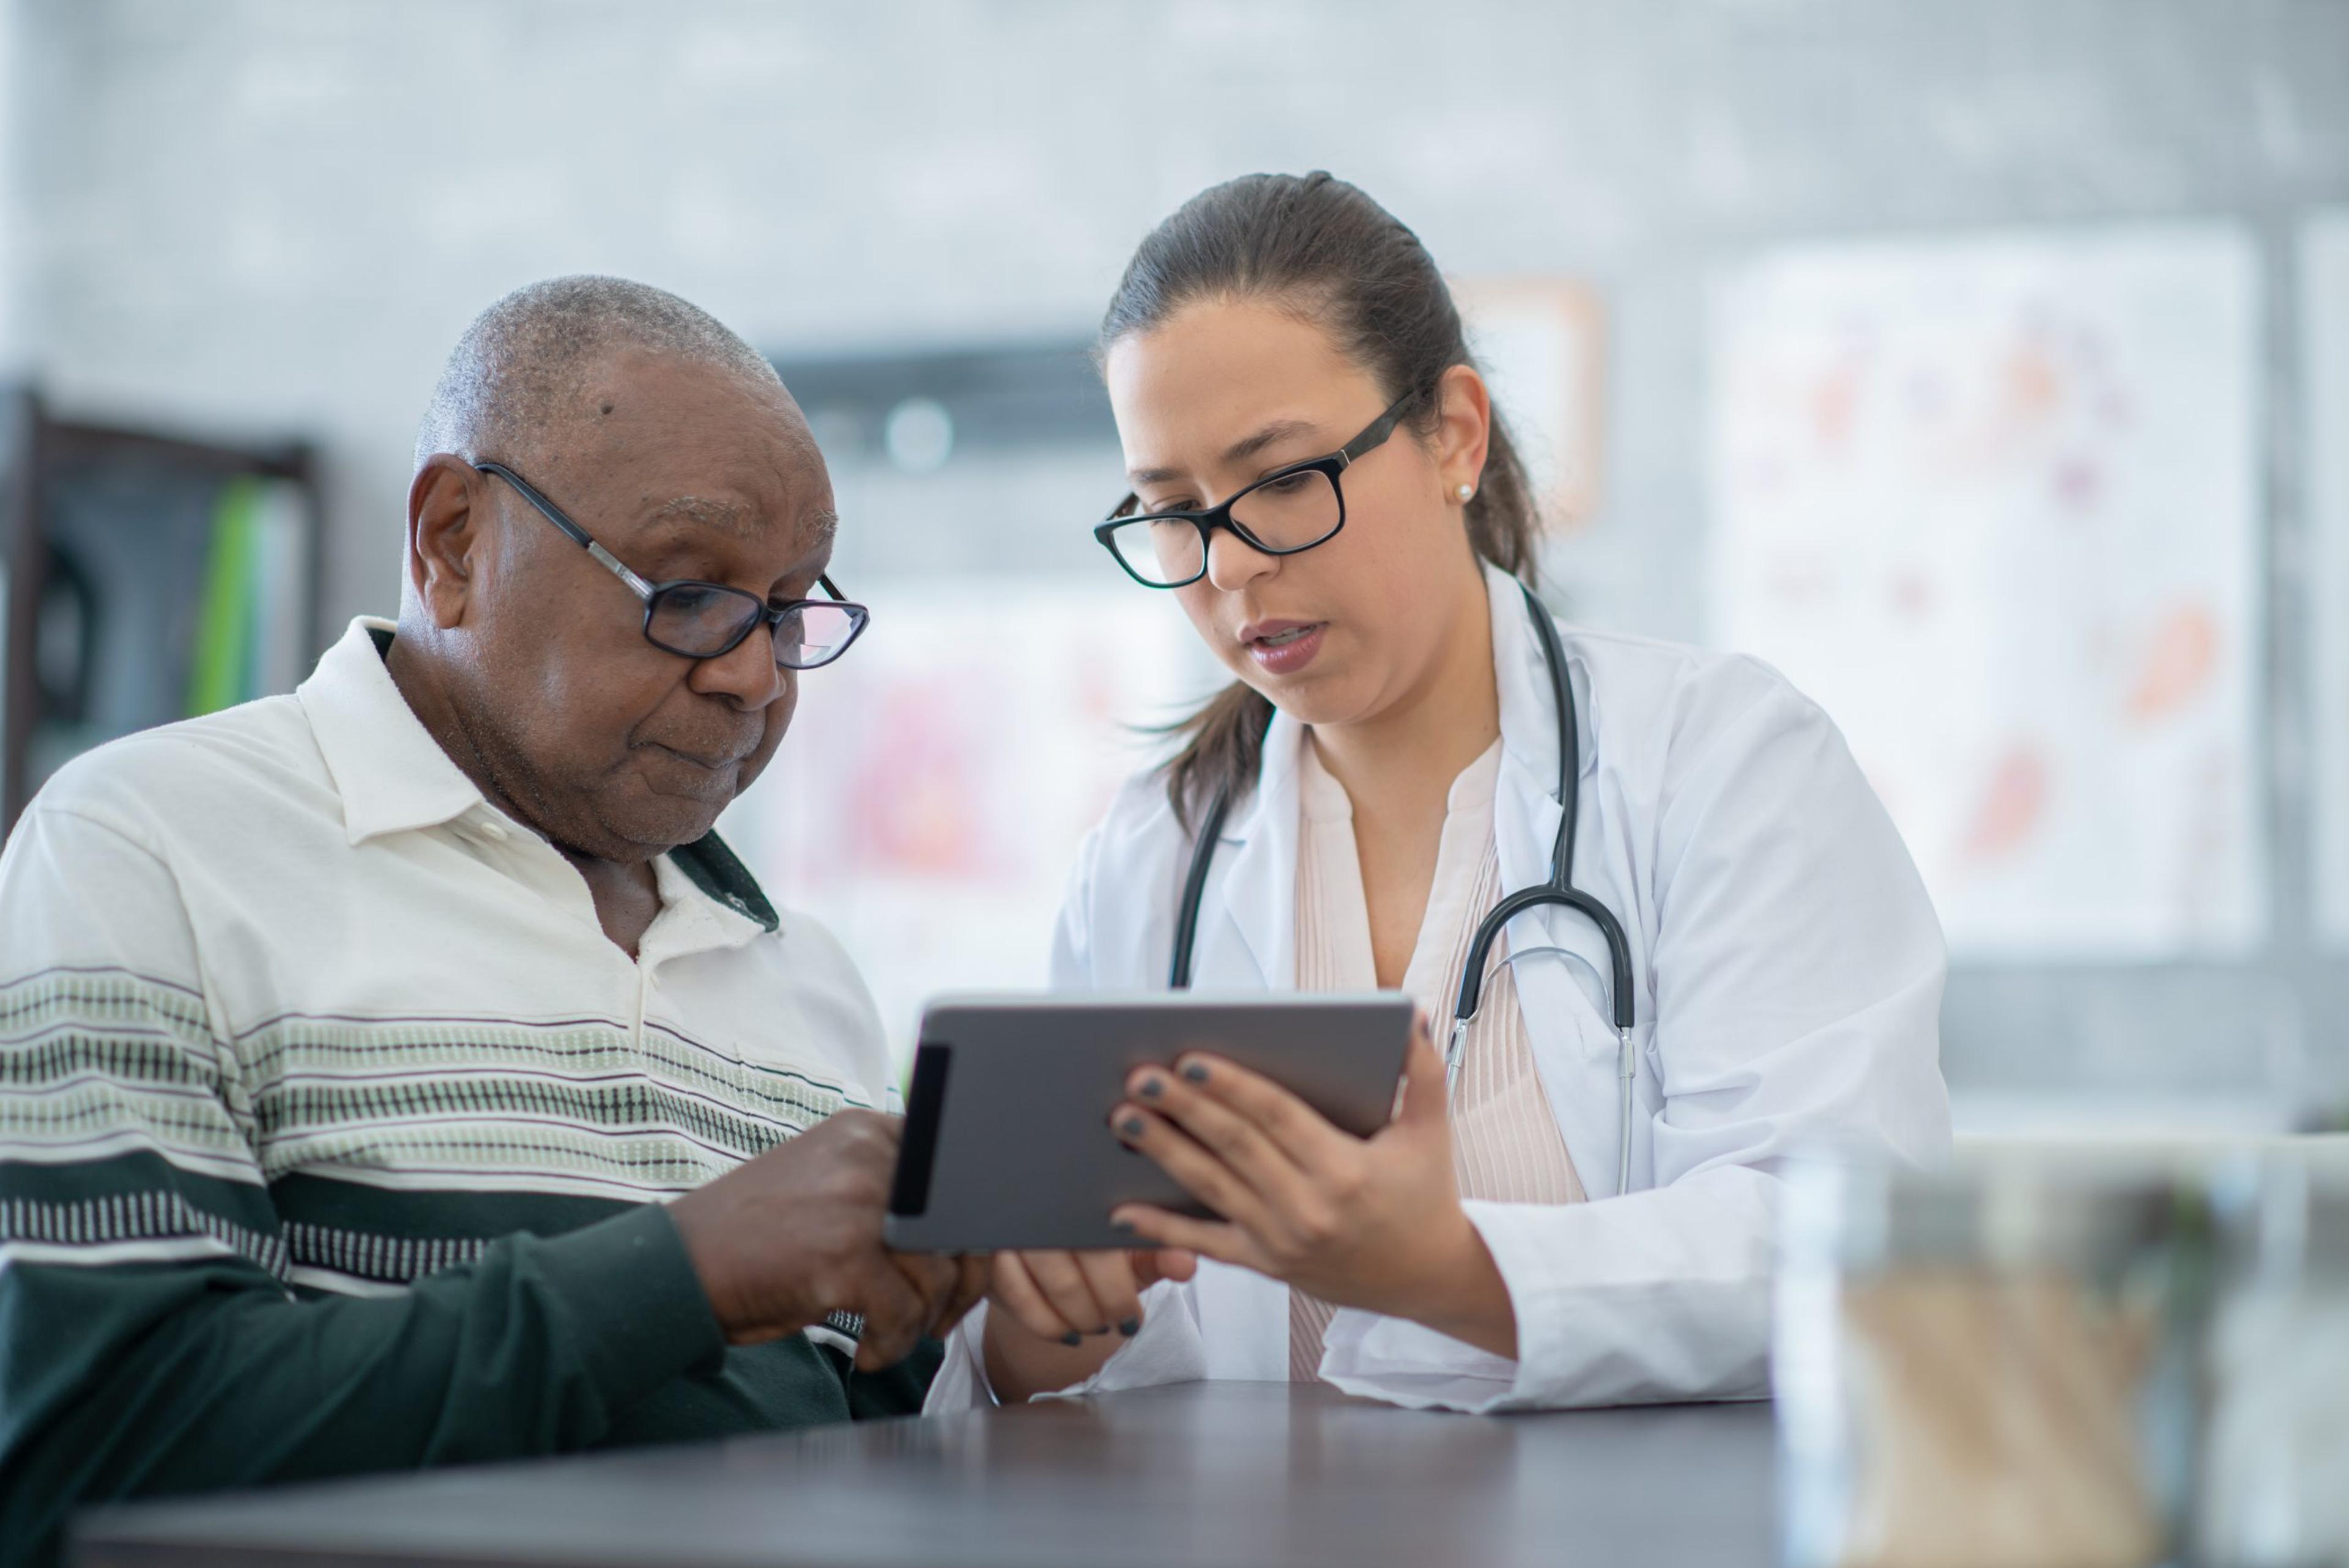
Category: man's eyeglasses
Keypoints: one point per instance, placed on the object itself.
(705, 620)
(1290, 510)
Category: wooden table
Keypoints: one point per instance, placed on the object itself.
(1204, 1473)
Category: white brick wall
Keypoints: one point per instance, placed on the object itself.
(277, 213)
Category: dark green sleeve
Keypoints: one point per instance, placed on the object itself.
(897, 1390)
(145, 1379)
(148, 1340)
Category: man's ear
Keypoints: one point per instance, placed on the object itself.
(446, 537)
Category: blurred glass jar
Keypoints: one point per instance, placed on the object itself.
(2275, 1463)
(1988, 1367)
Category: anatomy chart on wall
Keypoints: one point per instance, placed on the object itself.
(929, 800)
(2324, 443)
(1540, 342)
(1992, 502)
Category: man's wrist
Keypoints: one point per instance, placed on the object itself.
(634, 1290)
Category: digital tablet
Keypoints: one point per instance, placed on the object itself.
(1007, 1141)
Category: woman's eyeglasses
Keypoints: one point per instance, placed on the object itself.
(1290, 510)
(705, 620)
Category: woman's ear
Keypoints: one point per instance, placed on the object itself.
(1462, 431)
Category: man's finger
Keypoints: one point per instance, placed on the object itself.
(933, 1276)
(970, 1286)
(894, 1314)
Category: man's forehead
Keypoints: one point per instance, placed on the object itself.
(815, 523)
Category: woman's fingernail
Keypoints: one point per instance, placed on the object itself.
(1073, 1339)
(1195, 1071)
(1130, 1127)
(1130, 1327)
(1123, 1227)
(1152, 1087)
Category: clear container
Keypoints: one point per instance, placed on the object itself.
(2275, 1461)
(1990, 1367)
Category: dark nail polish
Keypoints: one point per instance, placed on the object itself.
(1073, 1339)
(1130, 1327)
(1152, 1087)
(1130, 1127)
(1123, 1227)
(1195, 1071)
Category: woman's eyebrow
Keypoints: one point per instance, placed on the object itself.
(1239, 451)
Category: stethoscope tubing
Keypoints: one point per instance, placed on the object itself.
(1559, 890)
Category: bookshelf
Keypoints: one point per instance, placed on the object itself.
(149, 576)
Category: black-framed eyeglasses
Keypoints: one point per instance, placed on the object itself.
(1290, 510)
(706, 620)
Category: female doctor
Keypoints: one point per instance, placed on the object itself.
(1320, 478)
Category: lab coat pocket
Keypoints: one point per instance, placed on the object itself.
(1651, 1058)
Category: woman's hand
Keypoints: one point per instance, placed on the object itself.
(1372, 1222)
(1052, 1313)
(1072, 1296)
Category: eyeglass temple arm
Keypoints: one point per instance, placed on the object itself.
(1380, 427)
(571, 530)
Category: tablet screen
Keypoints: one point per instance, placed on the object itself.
(1006, 1142)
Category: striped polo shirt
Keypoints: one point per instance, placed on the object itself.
(288, 1008)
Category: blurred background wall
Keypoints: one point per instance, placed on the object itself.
(266, 220)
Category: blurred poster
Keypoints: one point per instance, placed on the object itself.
(2324, 315)
(929, 801)
(1541, 344)
(1993, 504)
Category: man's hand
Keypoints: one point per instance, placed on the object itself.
(795, 1234)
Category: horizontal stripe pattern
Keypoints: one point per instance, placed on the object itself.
(99, 1066)
(98, 1063)
(365, 1255)
(151, 1215)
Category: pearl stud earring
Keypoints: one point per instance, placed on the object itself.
(1465, 491)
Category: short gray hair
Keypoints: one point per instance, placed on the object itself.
(518, 366)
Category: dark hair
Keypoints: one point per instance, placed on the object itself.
(1320, 245)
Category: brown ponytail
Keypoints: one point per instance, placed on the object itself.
(1321, 246)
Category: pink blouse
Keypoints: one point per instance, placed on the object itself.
(1505, 1144)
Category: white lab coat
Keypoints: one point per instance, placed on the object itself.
(1789, 969)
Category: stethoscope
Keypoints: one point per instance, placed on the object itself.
(1559, 889)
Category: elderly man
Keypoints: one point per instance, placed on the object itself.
(353, 1043)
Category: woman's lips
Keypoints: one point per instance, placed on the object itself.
(1288, 650)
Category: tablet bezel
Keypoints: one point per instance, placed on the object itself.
(1006, 1144)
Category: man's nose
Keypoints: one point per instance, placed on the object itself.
(1232, 562)
(746, 674)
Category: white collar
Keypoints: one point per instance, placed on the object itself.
(394, 778)
(392, 775)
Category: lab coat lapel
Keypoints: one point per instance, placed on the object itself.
(1563, 999)
(1244, 1316)
(1256, 893)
